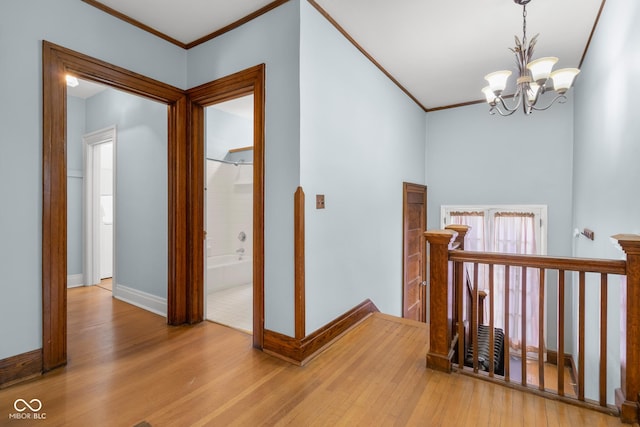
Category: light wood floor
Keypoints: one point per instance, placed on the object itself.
(126, 366)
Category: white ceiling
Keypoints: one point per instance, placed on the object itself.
(85, 89)
(439, 51)
(242, 107)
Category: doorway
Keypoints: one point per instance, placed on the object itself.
(414, 221)
(99, 206)
(241, 84)
(57, 63)
(229, 213)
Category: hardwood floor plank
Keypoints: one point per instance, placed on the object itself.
(127, 366)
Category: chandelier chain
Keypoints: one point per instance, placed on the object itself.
(524, 24)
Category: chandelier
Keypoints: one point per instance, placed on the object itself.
(534, 77)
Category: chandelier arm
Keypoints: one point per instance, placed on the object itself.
(505, 113)
(506, 107)
(561, 99)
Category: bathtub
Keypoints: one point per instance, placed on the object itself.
(226, 271)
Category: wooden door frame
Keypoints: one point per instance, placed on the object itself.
(405, 188)
(57, 61)
(247, 82)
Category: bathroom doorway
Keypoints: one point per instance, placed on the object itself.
(229, 136)
(237, 85)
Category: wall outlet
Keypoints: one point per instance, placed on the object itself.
(319, 201)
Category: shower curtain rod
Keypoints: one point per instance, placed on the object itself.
(240, 162)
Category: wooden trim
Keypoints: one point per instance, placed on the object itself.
(299, 261)
(238, 150)
(236, 24)
(20, 368)
(593, 30)
(134, 22)
(180, 245)
(176, 42)
(364, 52)
(301, 351)
(56, 62)
(54, 211)
(460, 104)
(246, 82)
(541, 261)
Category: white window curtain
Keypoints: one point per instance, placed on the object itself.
(514, 233)
(508, 230)
(475, 240)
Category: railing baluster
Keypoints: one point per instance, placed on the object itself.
(560, 360)
(506, 323)
(460, 295)
(541, 330)
(523, 326)
(474, 317)
(491, 327)
(603, 339)
(438, 354)
(581, 349)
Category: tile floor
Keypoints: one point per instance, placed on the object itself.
(232, 307)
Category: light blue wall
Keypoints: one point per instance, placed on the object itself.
(272, 39)
(361, 137)
(23, 26)
(606, 154)
(141, 225)
(476, 158)
(75, 165)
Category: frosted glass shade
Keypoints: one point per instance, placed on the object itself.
(563, 79)
(541, 68)
(532, 92)
(498, 80)
(488, 93)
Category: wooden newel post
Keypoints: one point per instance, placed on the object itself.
(440, 352)
(462, 232)
(627, 396)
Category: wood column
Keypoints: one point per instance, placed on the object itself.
(440, 353)
(299, 261)
(627, 396)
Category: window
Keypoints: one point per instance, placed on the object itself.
(506, 229)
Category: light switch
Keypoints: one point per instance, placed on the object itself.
(319, 201)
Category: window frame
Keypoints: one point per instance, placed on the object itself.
(540, 213)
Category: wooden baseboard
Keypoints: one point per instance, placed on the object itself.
(20, 368)
(552, 357)
(301, 351)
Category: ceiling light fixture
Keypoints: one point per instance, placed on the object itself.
(72, 81)
(532, 79)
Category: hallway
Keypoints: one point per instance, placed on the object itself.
(127, 366)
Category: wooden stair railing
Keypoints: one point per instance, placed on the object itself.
(447, 276)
